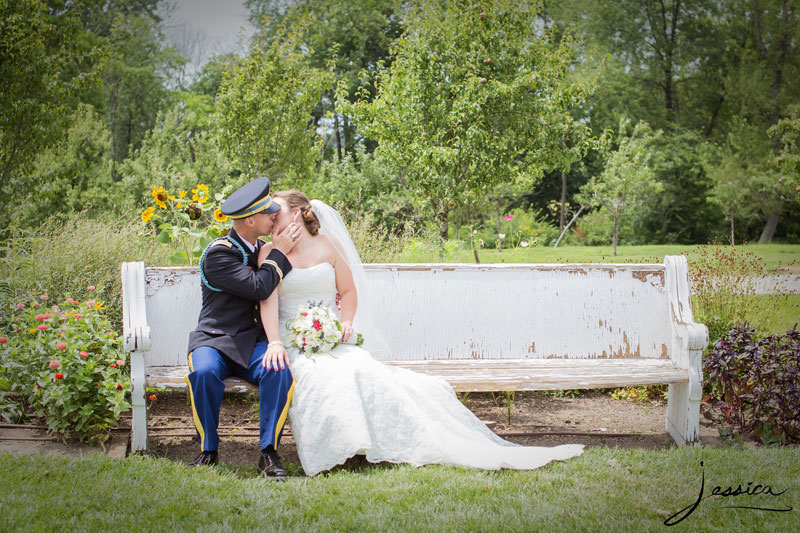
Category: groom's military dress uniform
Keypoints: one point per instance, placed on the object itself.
(229, 339)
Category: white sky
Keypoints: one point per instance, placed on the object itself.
(200, 29)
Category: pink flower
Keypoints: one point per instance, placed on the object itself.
(90, 303)
(46, 316)
(61, 346)
(113, 365)
(508, 217)
(38, 318)
(59, 375)
(119, 387)
(54, 364)
(83, 354)
(42, 327)
(3, 340)
(120, 362)
(78, 316)
(35, 304)
(20, 305)
(91, 288)
(54, 308)
(69, 300)
(43, 297)
(316, 325)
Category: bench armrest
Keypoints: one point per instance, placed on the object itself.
(690, 335)
(135, 331)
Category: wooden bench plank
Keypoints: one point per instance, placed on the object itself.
(485, 375)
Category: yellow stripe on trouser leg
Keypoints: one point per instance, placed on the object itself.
(284, 413)
(197, 423)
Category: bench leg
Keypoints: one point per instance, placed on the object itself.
(139, 419)
(683, 410)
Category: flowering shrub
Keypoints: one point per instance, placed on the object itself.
(64, 363)
(187, 222)
(723, 287)
(756, 382)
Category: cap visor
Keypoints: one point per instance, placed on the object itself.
(273, 208)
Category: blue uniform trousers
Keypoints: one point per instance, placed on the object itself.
(208, 368)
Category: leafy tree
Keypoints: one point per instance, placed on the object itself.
(762, 82)
(264, 109)
(38, 78)
(72, 174)
(474, 98)
(349, 38)
(134, 82)
(628, 178)
(787, 131)
(681, 213)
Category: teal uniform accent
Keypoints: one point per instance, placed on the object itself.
(202, 258)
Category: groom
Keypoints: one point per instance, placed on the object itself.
(229, 339)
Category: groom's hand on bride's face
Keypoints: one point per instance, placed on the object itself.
(275, 358)
(286, 239)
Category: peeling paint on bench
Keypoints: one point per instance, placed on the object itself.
(481, 327)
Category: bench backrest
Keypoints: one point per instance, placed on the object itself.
(463, 311)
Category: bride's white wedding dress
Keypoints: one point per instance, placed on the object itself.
(347, 403)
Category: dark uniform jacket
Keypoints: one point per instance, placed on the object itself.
(230, 320)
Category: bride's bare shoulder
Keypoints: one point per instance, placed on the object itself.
(330, 246)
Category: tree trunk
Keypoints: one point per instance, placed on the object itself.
(562, 219)
(338, 135)
(444, 226)
(472, 236)
(770, 227)
(616, 225)
(564, 231)
(499, 243)
(733, 240)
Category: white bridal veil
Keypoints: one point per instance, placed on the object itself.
(332, 226)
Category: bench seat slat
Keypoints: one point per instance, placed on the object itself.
(484, 375)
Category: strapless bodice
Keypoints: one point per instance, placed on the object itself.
(315, 285)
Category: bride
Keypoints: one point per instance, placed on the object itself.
(346, 403)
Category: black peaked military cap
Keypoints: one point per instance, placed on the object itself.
(250, 199)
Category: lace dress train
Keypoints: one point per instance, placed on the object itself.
(346, 403)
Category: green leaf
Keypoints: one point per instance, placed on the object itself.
(178, 259)
(164, 237)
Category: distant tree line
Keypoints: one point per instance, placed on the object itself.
(652, 121)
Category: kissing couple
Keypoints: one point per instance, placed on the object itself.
(340, 403)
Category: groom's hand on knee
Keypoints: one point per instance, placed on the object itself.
(275, 358)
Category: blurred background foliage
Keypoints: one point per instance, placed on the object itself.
(437, 119)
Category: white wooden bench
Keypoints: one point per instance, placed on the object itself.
(481, 327)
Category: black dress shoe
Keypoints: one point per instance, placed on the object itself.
(207, 458)
(269, 465)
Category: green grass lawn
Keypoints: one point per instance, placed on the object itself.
(775, 313)
(774, 255)
(606, 489)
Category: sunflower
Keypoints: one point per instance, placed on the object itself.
(200, 194)
(147, 214)
(194, 212)
(160, 197)
(218, 216)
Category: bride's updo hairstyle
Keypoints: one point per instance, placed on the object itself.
(297, 199)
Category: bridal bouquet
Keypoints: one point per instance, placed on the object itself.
(315, 330)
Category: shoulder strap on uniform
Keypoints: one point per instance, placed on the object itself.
(226, 241)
